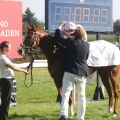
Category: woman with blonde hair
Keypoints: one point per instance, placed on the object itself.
(76, 69)
(81, 32)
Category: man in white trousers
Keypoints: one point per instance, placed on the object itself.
(76, 70)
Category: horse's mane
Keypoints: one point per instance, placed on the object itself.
(44, 33)
(41, 31)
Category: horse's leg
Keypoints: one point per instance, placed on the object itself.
(104, 74)
(114, 81)
(58, 84)
(71, 106)
(55, 68)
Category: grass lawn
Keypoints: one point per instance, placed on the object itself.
(109, 38)
(38, 101)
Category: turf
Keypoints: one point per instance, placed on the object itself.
(38, 101)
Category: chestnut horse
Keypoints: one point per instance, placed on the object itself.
(108, 74)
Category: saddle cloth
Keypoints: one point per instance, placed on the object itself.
(103, 53)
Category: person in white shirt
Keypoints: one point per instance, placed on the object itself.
(7, 75)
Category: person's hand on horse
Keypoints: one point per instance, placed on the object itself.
(62, 23)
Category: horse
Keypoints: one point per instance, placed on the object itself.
(108, 74)
(55, 61)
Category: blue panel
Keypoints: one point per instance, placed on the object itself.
(94, 17)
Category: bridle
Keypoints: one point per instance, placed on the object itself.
(29, 49)
(30, 66)
(35, 39)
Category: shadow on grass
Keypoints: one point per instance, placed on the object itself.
(24, 116)
(106, 116)
(51, 116)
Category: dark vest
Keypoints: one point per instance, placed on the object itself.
(76, 54)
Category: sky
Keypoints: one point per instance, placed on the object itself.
(38, 7)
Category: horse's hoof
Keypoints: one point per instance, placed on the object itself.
(111, 110)
(63, 117)
(71, 116)
(114, 115)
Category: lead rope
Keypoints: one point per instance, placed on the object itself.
(30, 66)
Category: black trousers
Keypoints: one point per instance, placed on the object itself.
(6, 86)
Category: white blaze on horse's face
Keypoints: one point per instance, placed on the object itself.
(32, 39)
(21, 50)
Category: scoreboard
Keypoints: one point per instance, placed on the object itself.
(94, 16)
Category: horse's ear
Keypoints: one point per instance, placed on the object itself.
(28, 27)
(33, 27)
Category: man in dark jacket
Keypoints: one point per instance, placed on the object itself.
(76, 71)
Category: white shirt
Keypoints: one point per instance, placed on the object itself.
(5, 71)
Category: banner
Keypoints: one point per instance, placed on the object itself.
(11, 24)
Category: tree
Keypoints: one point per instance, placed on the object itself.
(30, 19)
(117, 26)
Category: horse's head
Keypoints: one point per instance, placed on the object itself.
(28, 42)
(36, 38)
(33, 37)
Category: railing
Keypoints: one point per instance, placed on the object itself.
(37, 63)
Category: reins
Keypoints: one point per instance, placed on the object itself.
(29, 67)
